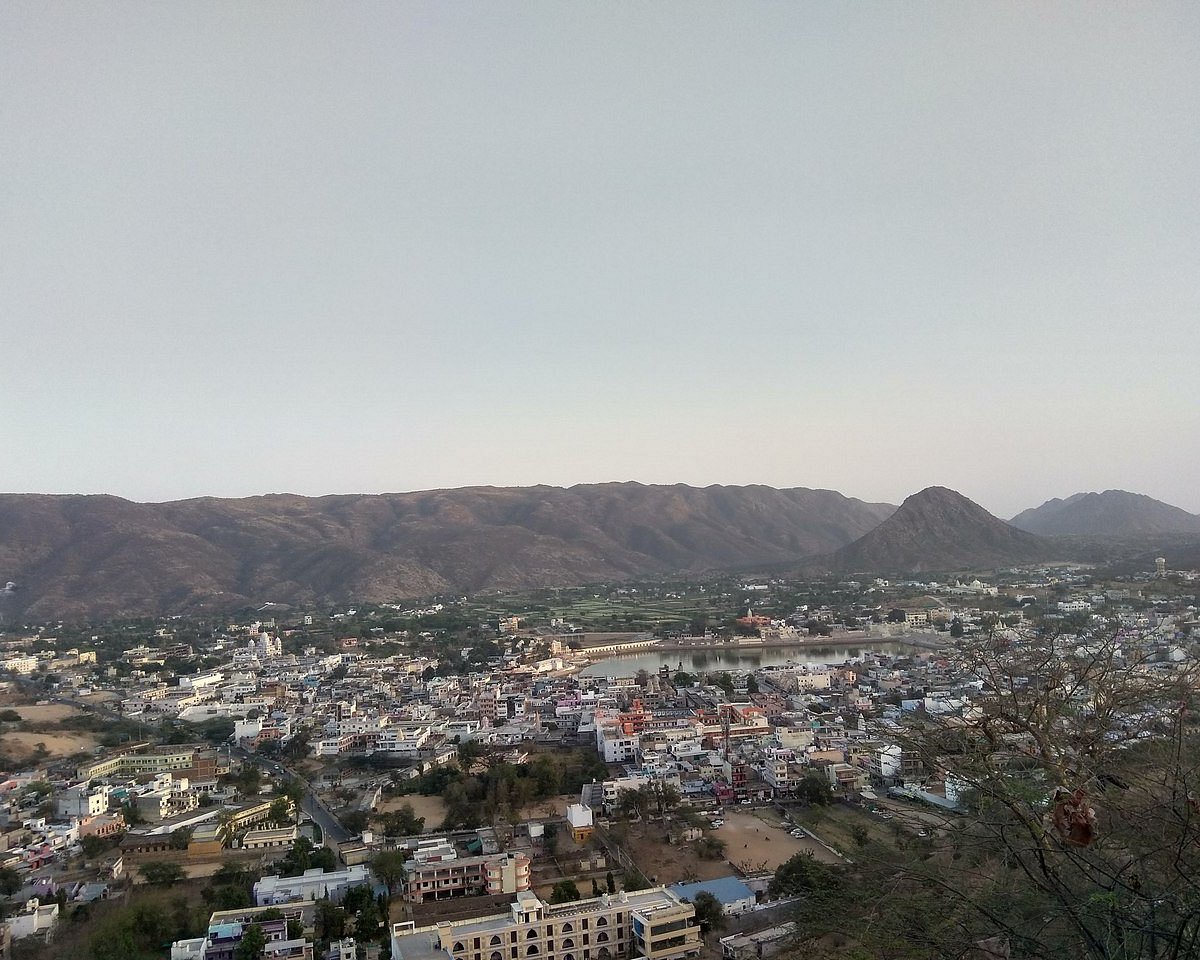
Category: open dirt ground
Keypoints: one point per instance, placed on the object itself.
(758, 842)
(46, 712)
(663, 862)
(57, 744)
(433, 809)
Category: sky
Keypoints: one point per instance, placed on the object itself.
(367, 247)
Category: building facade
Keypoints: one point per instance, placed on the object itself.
(650, 923)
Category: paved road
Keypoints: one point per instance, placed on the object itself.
(332, 831)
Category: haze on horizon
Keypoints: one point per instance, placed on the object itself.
(382, 247)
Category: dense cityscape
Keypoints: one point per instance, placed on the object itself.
(417, 780)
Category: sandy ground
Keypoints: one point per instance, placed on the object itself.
(664, 862)
(46, 713)
(550, 807)
(756, 844)
(433, 809)
(58, 744)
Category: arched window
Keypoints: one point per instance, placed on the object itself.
(604, 954)
(494, 941)
(602, 937)
(458, 947)
(566, 927)
(533, 950)
(531, 934)
(568, 942)
(496, 955)
(569, 956)
(602, 922)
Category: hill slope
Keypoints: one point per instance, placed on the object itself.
(939, 529)
(1113, 513)
(100, 556)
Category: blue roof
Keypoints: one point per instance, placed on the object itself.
(726, 889)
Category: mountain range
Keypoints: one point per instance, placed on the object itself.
(1113, 513)
(94, 557)
(102, 556)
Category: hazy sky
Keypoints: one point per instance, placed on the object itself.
(318, 248)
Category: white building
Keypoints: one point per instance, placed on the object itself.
(313, 885)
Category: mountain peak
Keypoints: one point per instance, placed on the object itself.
(1113, 513)
(940, 529)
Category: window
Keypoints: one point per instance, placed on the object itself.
(567, 927)
(532, 951)
(531, 934)
(494, 941)
(568, 943)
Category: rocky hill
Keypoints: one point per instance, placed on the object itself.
(1113, 513)
(101, 556)
(938, 529)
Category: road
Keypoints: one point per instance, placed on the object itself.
(332, 831)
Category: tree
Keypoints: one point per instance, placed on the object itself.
(403, 822)
(683, 679)
(751, 684)
(634, 880)
(813, 789)
(388, 866)
(252, 943)
(295, 791)
(280, 812)
(725, 682)
(161, 873)
(1086, 825)
(642, 678)
(956, 628)
(10, 881)
(93, 846)
(801, 875)
(469, 753)
(711, 848)
(710, 914)
(610, 883)
(355, 821)
(1083, 839)
(330, 921)
(565, 891)
(180, 838)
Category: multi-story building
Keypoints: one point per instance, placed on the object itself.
(223, 940)
(193, 761)
(81, 801)
(649, 923)
(441, 878)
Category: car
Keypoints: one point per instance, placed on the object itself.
(745, 803)
(922, 833)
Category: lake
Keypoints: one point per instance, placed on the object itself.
(734, 658)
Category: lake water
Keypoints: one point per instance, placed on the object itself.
(735, 658)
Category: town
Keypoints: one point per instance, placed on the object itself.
(511, 776)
